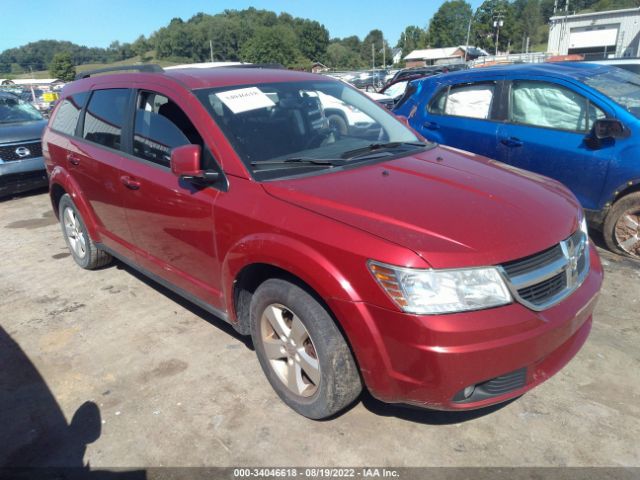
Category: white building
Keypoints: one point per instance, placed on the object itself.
(610, 34)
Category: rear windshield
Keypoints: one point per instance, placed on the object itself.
(15, 110)
(621, 86)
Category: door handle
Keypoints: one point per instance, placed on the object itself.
(511, 142)
(431, 125)
(73, 160)
(129, 182)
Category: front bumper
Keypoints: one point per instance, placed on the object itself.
(429, 360)
(21, 175)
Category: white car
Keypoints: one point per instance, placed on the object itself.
(343, 118)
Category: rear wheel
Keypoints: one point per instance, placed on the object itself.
(301, 350)
(82, 248)
(622, 226)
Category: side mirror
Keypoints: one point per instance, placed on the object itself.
(185, 164)
(609, 128)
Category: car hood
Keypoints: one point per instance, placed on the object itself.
(453, 208)
(18, 132)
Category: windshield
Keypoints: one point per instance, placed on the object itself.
(396, 90)
(621, 86)
(15, 110)
(293, 128)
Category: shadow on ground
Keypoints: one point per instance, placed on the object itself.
(35, 438)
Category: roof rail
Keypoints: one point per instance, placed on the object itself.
(151, 68)
(256, 65)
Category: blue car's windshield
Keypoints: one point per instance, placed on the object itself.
(622, 86)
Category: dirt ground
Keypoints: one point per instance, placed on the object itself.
(108, 368)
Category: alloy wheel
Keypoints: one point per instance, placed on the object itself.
(627, 232)
(74, 232)
(290, 350)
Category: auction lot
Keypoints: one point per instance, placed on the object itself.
(154, 381)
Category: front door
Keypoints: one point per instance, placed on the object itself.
(546, 133)
(172, 220)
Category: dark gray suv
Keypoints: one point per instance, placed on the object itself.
(21, 162)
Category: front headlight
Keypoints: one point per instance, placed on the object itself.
(441, 291)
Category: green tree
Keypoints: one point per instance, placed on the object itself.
(448, 27)
(413, 38)
(529, 18)
(340, 57)
(62, 67)
(272, 45)
(485, 34)
(375, 38)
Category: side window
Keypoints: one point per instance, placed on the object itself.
(160, 126)
(544, 104)
(468, 100)
(437, 104)
(68, 113)
(105, 115)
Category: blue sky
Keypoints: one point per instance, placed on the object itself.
(96, 23)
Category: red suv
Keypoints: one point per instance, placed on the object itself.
(431, 276)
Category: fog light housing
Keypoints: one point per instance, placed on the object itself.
(467, 392)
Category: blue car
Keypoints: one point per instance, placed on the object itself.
(578, 123)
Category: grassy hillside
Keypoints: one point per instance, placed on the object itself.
(94, 66)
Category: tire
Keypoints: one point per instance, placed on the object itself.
(622, 226)
(81, 246)
(280, 305)
(338, 124)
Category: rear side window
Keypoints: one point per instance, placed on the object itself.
(105, 117)
(548, 105)
(68, 113)
(468, 100)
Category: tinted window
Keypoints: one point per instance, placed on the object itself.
(161, 126)
(469, 100)
(105, 116)
(68, 113)
(543, 104)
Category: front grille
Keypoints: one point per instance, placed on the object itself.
(8, 152)
(533, 262)
(539, 292)
(541, 280)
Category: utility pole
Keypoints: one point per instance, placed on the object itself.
(373, 56)
(497, 23)
(211, 50)
(384, 55)
(466, 49)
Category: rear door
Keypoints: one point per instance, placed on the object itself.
(548, 123)
(463, 115)
(172, 220)
(95, 160)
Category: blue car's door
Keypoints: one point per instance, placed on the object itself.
(462, 115)
(546, 132)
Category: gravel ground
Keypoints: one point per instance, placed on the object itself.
(108, 368)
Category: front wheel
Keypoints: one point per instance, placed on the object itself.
(301, 350)
(622, 226)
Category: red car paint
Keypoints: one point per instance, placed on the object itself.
(441, 208)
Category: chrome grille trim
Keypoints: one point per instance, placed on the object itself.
(539, 288)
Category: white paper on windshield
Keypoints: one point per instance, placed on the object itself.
(245, 99)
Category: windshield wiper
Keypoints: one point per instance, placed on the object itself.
(323, 162)
(374, 147)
